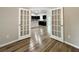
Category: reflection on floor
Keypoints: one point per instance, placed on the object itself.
(39, 42)
(39, 35)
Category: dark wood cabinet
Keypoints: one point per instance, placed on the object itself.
(43, 23)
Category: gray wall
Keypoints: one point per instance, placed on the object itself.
(8, 24)
(71, 25)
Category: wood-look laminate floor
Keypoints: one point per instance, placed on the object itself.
(39, 42)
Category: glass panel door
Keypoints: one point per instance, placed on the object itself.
(24, 22)
(57, 24)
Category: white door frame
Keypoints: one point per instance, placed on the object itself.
(53, 36)
(25, 36)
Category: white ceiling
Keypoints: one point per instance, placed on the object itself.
(40, 10)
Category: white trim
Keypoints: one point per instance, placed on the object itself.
(62, 23)
(71, 44)
(23, 37)
(10, 42)
(29, 22)
(56, 38)
(57, 8)
(19, 22)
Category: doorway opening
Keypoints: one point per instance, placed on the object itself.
(42, 22)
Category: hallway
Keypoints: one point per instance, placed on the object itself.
(39, 42)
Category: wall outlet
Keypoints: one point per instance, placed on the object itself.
(69, 36)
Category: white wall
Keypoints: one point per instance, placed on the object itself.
(8, 24)
(49, 22)
(71, 25)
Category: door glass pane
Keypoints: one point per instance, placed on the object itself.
(59, 17)
(21, 15)
(21, 33)
(21, 23)
(59, 34)
(27, 22)
(56, 28)
(59, 23)
(56, 33)
(53, 33)
(59, 28)
(24, 22)
(56, 22)
(59, 11)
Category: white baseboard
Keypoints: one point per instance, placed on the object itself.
(9, 42)
(71, 44)
(56, 38)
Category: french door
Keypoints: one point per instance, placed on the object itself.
(57, 24)
(24, 23)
